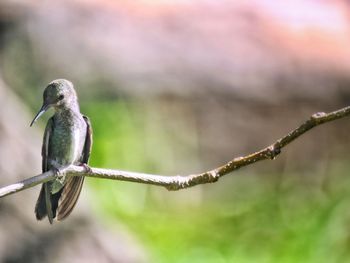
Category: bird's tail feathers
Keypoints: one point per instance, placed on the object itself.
(40, 207)
(69, 196)
(47, 203)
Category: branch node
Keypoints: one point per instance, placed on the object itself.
(318, 115)
(214, 175)
(273, 151)
(237, 159)
(176, 184)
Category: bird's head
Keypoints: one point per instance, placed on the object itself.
(59, 94)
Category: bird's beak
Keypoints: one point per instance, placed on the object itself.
(42, 110)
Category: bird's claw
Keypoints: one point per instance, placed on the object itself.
(57, 172)
(60, 171)
(87, 168)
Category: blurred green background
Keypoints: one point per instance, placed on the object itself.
(251, 217)
(180, 88)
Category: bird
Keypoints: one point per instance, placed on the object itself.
(67, 141)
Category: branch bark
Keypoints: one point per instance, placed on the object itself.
(178, 182)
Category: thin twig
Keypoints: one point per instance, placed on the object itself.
(180, 182)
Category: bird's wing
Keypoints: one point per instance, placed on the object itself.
(88, 141)
(43, 205)
(45, 147)
(72, 188)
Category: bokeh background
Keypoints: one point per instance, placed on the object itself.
(179, 87)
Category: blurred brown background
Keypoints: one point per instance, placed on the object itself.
(176, 87)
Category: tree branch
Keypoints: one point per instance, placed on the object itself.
(180, 182)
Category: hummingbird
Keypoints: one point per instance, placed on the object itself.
(67, 140)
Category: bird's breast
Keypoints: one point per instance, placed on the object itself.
(67, 141)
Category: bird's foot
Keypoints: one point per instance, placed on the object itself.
(57, 172)
(87, 168)
(60, 171)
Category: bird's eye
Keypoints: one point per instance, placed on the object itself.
(61, 97)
